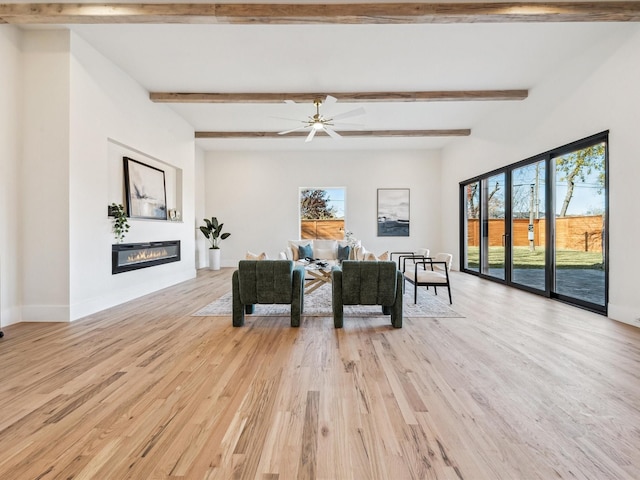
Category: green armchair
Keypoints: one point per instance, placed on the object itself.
(367, 283)
(268, 282)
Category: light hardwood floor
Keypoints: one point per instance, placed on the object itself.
(521, 388)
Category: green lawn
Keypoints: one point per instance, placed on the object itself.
(524, 258)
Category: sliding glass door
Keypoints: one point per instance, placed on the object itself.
(580, 219)
(471, 226)
(508, 236)
(494, 234)
(528, 238)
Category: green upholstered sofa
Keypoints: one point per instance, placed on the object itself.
(367, 283)
(268, 282)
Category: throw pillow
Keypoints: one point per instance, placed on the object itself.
(293, 247)
(361, 253)
(370, 257)
(305, 251)
(324, 253)
(354, 248)
(256, 256)
(329, 249)
(343, 252)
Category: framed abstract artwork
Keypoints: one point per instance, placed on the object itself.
(145, 190)
(393, 212)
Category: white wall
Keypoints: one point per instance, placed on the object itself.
(78, 111)
(201, 260)
(10, 149)
(597, 91)
(44, 177)
(112, 117)
(255, 195)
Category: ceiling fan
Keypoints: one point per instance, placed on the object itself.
(319, 122)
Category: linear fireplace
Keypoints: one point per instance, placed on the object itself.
(132, 256)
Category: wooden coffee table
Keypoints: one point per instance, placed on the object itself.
(319, 276)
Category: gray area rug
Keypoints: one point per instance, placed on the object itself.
(318, 304)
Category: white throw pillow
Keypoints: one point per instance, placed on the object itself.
(360, 253)
(324, 254)
(325, 249)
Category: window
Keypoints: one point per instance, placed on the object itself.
(507, 236)
(322, 213)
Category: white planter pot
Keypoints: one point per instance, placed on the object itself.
(214, 259)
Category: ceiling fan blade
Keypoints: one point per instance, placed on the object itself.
(350, 113)
(292, 130)
(329, 101)
(289, 119)
(332, 133)
(311, 134)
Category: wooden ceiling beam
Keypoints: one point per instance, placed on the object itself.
(350, 97)
(348, 133)
(317, 13)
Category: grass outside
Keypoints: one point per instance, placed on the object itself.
(524, 258)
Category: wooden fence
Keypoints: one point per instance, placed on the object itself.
(582, 233)
(322, 229)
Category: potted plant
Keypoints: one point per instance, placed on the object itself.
(120, 223)
(212, 230)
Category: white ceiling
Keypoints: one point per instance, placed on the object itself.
(335, 58)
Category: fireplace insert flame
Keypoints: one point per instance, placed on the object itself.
(132, 256)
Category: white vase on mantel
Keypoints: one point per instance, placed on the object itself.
(214, 259)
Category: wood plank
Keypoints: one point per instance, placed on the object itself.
(350, 13)
(550, 391)
(348, 97)
(308, 457)
(465, 132)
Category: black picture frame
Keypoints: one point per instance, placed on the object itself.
(394, 212)
(145, 190)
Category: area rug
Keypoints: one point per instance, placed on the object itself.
(318, 304)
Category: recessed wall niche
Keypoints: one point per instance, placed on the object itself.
(172, 176)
